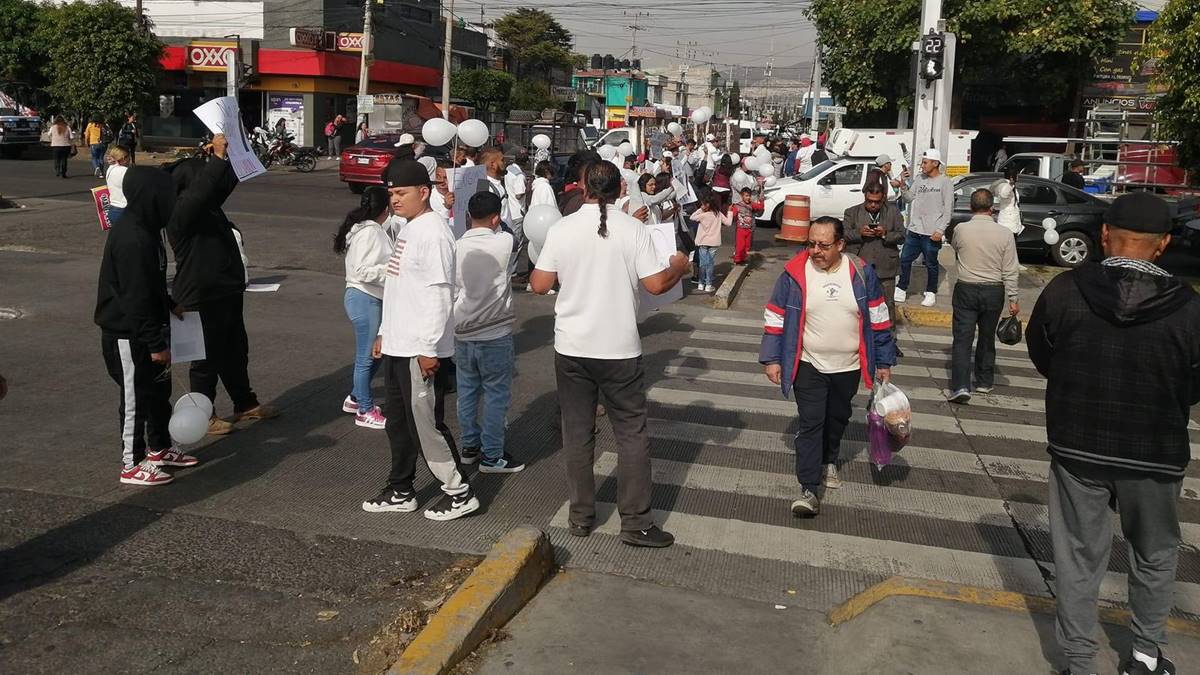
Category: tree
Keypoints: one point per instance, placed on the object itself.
(530, 94)
(21, 56)
(1024, 49)
(1175, 45)
(580, 61)
(735, 101)
(485, 88)
(538, 42)
(100, 61)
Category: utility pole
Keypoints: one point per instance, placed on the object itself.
(141, 23)
(924, 106)
(368, 45)
(816, 93)
(446, 60)
(633, 54)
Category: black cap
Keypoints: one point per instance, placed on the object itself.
(406, 172)
(1139, 212)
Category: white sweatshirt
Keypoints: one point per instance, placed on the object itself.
(543, 193)
(114, 177)
(483, 287)
(368, 248)
(1007, 206)
(418, 293)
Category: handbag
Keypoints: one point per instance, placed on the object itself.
(1008, 330)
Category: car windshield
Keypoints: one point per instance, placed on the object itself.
(816, 170)
(592, 134)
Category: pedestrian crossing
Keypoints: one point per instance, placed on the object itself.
(965, 504)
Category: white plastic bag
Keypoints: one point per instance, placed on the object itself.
(890, 403)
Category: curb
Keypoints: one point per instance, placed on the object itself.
(723, 298)
(507, 578)
(983, 597)
(925, 317)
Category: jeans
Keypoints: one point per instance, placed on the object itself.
(365, 313)
(61, 155)
(485, 369)
(975, 306)
(114, 214)
(707, 255)
(924, 246)
(98, 150)
(823, 408)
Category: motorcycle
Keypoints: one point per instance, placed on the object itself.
(283, 151)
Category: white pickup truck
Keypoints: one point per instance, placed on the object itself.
(1048, 165)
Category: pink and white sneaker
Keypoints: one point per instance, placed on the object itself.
(170, 457)
(371, 420)
(350, 405)
(145, 474)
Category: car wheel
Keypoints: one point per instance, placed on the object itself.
(1073, 249)
(357, 188)
(777, 217)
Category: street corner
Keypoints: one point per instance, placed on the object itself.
(729, 288)
(924, 317)
(500, 586)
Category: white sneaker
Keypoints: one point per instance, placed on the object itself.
(900, 295)
(930, 300)
(832, 480)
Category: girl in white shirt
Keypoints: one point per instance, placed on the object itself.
(116, 162)
(543, 191)
(367, 247)
(1007, 203)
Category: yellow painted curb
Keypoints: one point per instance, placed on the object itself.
(940, 590)
(925, 317)
(508, 578)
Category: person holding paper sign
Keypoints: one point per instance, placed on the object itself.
(210, 278)
(132, 309)
(601, 256)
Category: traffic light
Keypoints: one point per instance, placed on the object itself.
(932, 52)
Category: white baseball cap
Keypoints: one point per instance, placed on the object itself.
(405, 139)
(932, 154)
(667, 154)
(882, 159)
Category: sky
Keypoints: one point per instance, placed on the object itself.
(725, 32)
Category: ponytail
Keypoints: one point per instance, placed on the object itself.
(603, 231)
(602, 182)
(374, 201)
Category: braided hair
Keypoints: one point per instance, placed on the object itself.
(603, 183)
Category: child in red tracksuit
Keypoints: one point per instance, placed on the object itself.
(743, 215)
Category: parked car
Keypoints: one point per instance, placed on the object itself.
(362, 164)
(1078, 215)
(831, 186)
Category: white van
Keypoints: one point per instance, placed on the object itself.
(898, 144)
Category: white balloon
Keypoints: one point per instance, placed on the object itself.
(735, 158)
(762, 152)
(1050, 237)
(766, 169)
(195, 400)
(701, 115)
(537, 222)
(1049, 223)
(473, 133)
(770, 181)
(607, 152)
(739, 176)
(751, 163)
(534, 251)
(625, 149)
(541, 142)
(675, 129)
(437, 131)
(708, 112)
(188, 425)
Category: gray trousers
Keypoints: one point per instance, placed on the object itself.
(1081, 534)
(580, 383)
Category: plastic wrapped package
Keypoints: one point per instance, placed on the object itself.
(889, 423)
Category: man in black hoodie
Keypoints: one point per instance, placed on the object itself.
(1119, 343)
(210, 278)
(131, 309)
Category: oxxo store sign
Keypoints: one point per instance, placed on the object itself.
(325, 40)
(209, 56)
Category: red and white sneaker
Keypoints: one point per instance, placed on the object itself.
(145, 474)
(350, 405)
(170, 457)
(371, 420)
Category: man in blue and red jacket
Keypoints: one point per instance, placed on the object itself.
(826, 326)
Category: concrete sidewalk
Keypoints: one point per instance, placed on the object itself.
(584, 622)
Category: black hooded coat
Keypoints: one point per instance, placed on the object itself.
(131, 297)
(208, 261)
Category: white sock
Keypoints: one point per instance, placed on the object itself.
(1150, 661)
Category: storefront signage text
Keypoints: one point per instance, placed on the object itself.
(209, 56)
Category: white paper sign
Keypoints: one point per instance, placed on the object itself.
(663, 235)
(187, 338)
(221, 116)
(464, 183)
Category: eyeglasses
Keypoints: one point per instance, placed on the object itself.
(822, 245)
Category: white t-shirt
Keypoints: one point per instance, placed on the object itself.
(831, 321)
(498, 187)
(482, 287)
(514, 185)
(595, 315)
(418, 290)
(114, 178)
(543, 193)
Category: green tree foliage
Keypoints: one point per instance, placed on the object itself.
(21, 56)
(485, 88)
(538, 42)
(528, 94)
(100, 61)
(1175, 44)
(1035, 47)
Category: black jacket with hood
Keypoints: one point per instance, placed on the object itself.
(131, 297)
(1120, 349)
(208, 262)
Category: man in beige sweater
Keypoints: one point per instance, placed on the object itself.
(986, 256)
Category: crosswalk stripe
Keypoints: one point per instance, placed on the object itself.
(917, 337)
(885, 499)
(863, 555)
(902, 369)
(914, 456)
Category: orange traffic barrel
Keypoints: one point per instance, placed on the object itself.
(795, 221)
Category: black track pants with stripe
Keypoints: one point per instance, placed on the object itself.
(144, 410)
